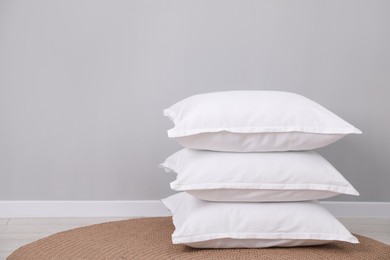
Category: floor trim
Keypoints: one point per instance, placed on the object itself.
(358, 209)
(151, 208)
(120, 208)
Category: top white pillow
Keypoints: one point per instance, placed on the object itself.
(254, 121)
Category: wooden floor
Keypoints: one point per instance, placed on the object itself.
(15, 232)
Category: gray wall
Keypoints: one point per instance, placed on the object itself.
(83, 85)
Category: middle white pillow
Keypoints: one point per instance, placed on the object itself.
(256, 177)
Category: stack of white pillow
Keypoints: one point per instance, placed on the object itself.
(247, 172)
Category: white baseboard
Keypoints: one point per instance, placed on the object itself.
(358, 209)
(152, 208)
(120, 208)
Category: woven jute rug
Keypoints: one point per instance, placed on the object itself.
(150, 238)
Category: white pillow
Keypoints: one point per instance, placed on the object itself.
(205, 224)
(250, 121)
(266, 176)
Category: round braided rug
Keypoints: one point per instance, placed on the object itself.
(150, 238)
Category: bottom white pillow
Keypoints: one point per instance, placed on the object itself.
(204, 224)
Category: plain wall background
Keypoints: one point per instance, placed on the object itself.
(83, 85)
